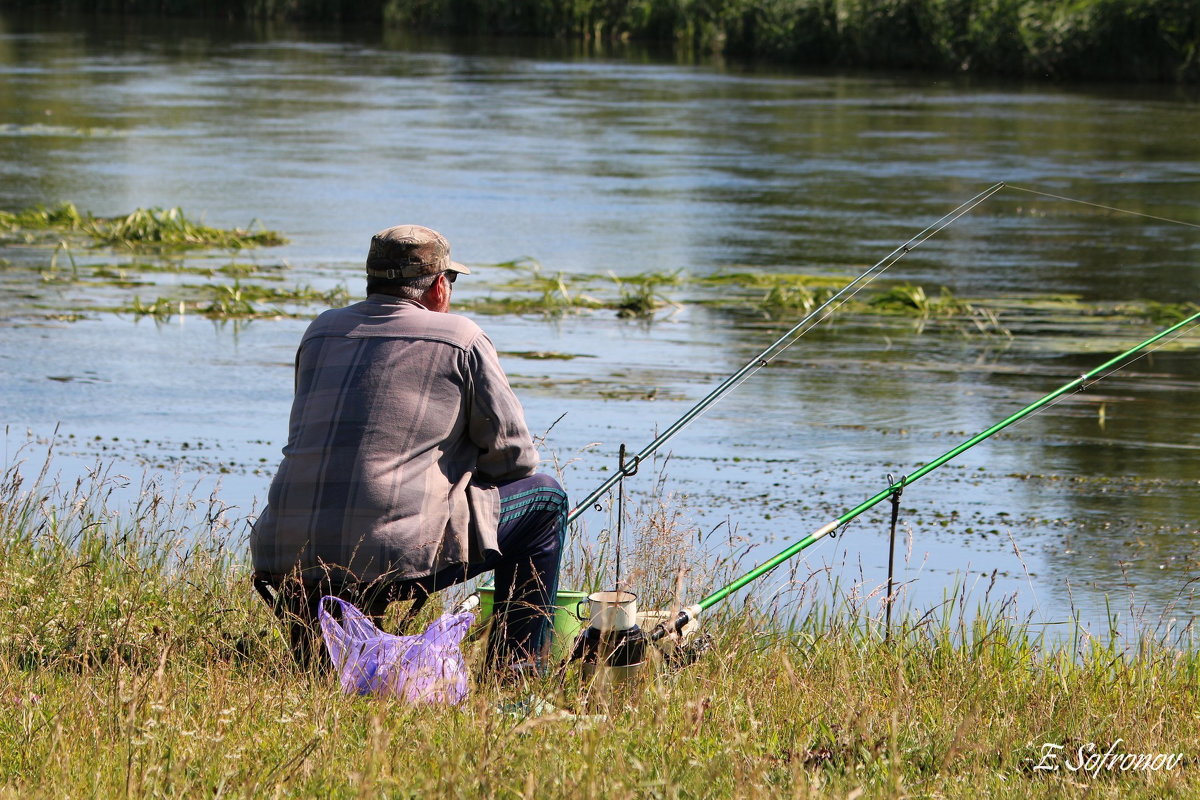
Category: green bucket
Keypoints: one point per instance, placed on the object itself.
(567, 624)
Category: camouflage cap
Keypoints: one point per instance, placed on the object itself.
(410, 251)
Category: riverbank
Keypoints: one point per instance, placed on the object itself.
(137, 662)
(1112, 40)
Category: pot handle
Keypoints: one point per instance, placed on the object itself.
(583, 617)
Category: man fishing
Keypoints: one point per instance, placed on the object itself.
(408, 466)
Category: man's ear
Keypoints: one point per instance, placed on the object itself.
(437, 296)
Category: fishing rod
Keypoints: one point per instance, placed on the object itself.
(629, 467)
(691, 612)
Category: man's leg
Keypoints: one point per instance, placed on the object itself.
(533, 527)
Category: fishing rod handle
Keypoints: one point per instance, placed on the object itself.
(684, 617)
(469, 603)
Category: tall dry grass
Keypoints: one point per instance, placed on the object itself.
(135, 662)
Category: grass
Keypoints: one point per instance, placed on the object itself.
(135, 662)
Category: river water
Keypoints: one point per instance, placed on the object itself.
(629, 161)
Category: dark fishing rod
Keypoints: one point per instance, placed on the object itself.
(811, 320)
(691, 612)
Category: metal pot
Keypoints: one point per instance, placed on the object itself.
(612, 611)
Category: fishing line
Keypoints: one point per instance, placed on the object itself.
(1083, 387)
(822, 313)
(1158, 345)
(819, 315)
(772, 351)
(1149, 352)
(1106, 208)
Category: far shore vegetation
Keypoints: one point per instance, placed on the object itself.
(136, 662)
(1122, 40)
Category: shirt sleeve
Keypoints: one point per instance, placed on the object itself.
(496, 421)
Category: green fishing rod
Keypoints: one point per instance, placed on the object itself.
(629, 467)
(691, 612)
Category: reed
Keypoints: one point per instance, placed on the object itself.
(135, 662)
(1109, 39)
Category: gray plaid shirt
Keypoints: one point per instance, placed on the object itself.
(402, 424)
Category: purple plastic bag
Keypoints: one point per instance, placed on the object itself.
(425, 668)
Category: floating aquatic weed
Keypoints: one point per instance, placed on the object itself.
(1167, 313)
(798, 298)
(239, 299)
(230, 300)
(119, 278)
(640, 295)
(236, 300)
(170, 227)
(161, 309)
(239, 270)
(110, 273)
(542, 355)
(560, 293)
(553, 295)
(143, 228)
(556, 295)
(51, 273)
(757, 279)
(524, 264)
(336, 297)
(64, 216)
(912, 300)
(907, 298)
(770, 293)
(794, 297)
